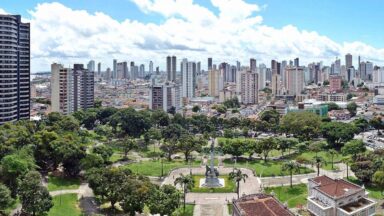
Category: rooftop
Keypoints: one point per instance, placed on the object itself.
(351, 207)
(261, 205)
(335, 187)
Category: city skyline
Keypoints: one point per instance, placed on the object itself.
(149, 31)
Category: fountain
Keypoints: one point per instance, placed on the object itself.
(211, 179)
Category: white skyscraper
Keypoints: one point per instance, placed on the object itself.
(91, 66)
(188, 74)
(150, 67)
(262, 76)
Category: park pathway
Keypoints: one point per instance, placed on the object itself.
(211, 210)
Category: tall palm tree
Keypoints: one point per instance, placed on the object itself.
(237, 176)
(332, 153)
(186, 182)
(319, 162)
(347, 159)
(291, 166)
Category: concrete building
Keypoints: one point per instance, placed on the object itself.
(366, 70)
(335, 83)
(275, 84)
(114, 69)
(338, 197)
(262, 71)
(150, 67)
(14, 69)
(99, 69)
(348, 61)
(215, 83)
(171, 68)
(210, 64)
(188, 76)
(295, 80)
(249, 87)
(164, 96)
(252, 64)
(122, 70)
(71, 89)
(91, 66)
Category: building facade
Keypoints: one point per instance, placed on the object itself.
(295, 80)
(171, 68)
(14, 69)
(249, 87)
(164, 96)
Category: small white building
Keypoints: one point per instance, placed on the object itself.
(338, 197)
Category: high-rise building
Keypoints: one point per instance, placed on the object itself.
(91, 66)
(249, 87)
(295, 80)
(336, 67)
(335, 83)
(275, 84)
(142, 71)
(366, 70)
(114, 72)
(171, 68)
(297, 63)
(150, 67)
(164, 96)
(262, 76)
(238, 66)
(210, 64)
(122, 70)
(71, 89)
(14, 69)
(98, 69)
(252, 64)
(188, 74)
(348, 60)
(215, 83)
(274, 68)
(198, 68)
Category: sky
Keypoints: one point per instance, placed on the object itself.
(76, 31)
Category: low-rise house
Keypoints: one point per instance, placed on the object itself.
(338, 197)
(339, 114)
(259, 205)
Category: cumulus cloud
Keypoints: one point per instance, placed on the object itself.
(237, 32)
(2, 11)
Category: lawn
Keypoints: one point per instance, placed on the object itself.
(297, 195)
(60, 183)
(229, 186)
(65, 205)
(374, 192)
(153, 167)
(13, 205)
(310, 155)
(188, 210)
(268, 169)
(116, 157)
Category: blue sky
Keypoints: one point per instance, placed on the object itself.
(341, 20)
(70, 31)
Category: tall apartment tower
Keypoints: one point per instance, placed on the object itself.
(348, 61)
(14, 69)
(210, 64)
(252, 64)
(99, 69)
(150, 67)
(122, 70)
(297, 62)
(295, 80)
(215, 83)
(71, 89)
(171, 68)
(188, 74)
(249, 87)
(114, 72)
(164, 96)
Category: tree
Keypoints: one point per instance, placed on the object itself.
(353, 147)
(232, 103)
(136, 192)
(303, 125)
(5, 197)
(44, 151)
(378, 179)
(361, 124)
(104, 151)
(338, 133)
(253, 147)
(186, 183)
(91, 161)
(131, 122)
(196, 108)
(189, 143)
(15, 166)
(319, 162)
(237, 176)
(326, 82)
(376, 123)
(352, 107)
(173, 132)
(317, 146)
(286, 143)
(127, 144)
(164, 200)
(266, 146)
(34, 197)
(71, 154)
(234, 147)
(170, 148)
(160, 118)
(332, 106)
(347, 161)
(271, 119)
(332, 153)
(291, 167)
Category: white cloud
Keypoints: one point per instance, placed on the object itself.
(61, 34)
(2, 11)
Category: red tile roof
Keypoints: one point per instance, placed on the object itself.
(261, 205)
(335, 187)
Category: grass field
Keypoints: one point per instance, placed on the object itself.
(65, 205)
(229, 186)
(297, 195)
(374, 192)
(271, 168)
(153, 167)
(310, 155)
(59, 183)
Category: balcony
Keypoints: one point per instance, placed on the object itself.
(362, 206)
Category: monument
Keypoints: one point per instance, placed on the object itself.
(211, 174)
